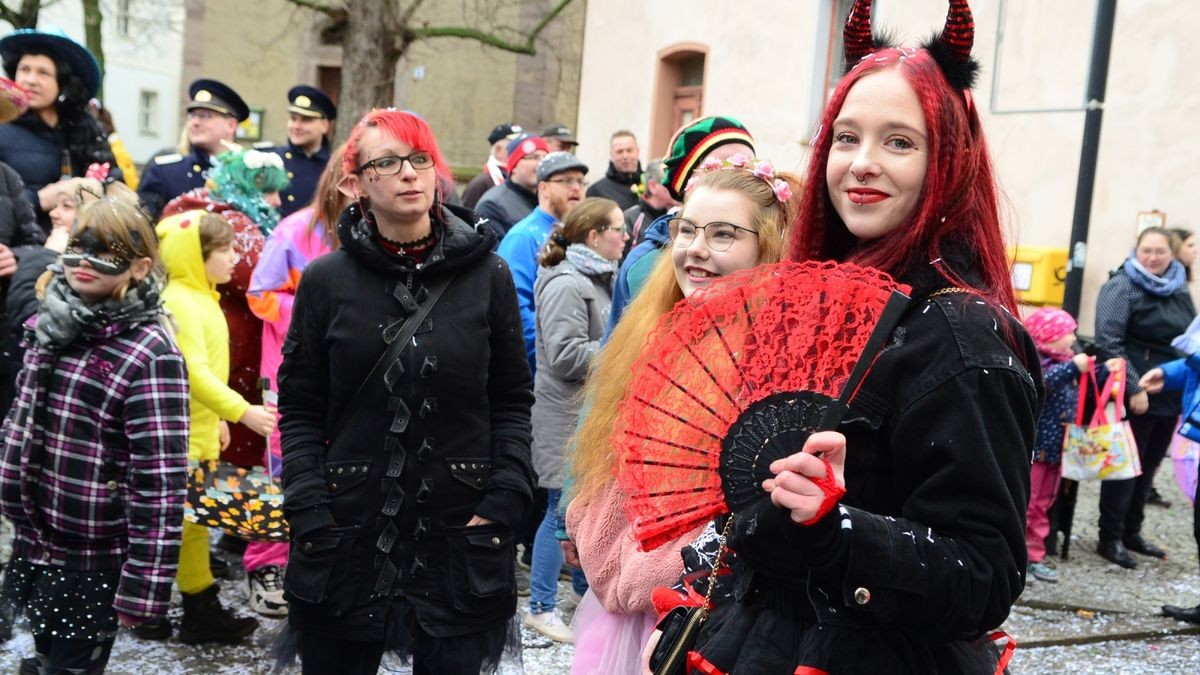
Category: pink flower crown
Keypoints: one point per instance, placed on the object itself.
(760, 168)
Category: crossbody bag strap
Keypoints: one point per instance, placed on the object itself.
(393, 352)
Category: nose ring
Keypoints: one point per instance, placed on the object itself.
(862, 180)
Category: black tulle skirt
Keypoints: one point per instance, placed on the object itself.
(60, 603)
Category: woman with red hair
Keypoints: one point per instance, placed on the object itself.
(924, 554)
(405, 397)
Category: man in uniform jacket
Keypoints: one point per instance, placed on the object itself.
(310, 118)
(212, 118)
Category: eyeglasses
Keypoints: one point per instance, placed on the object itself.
(581, 182)
(101, 265)
(391, 164)
(618, 228)
(718, 236)
(204, 114)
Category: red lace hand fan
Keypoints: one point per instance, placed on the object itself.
(739, 376)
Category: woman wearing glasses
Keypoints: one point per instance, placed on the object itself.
(405, 396)
(735, 216)
(573, 294)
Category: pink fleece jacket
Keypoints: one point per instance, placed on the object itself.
(621, 575)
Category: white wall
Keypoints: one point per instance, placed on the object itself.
(149, 58)
(763, 57)
(755, 52)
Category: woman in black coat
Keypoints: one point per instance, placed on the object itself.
(57, 138)
(402, 499)
(911, 568)
(1142, 307)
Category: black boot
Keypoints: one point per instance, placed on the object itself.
(1137, 544)
(158, 629)
(1114, 551)
(1189, 614)
(1156, 499)
(205, 620)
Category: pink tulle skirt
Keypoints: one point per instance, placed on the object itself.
(608, 644)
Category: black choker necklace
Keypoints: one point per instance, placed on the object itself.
(416, 243)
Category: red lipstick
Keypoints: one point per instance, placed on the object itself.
(863, 195)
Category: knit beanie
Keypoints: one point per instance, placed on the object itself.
(1047, 325)
(521, 146)
(692, 142)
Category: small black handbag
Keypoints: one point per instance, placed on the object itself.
(681, 626)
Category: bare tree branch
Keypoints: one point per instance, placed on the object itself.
(489, 38)
(25, 16)
(407, 14)
(317, 6)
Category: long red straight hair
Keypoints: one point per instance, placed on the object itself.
(958, 210)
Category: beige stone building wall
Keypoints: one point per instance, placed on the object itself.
(766, 60)
(253, 47)
(461, 87)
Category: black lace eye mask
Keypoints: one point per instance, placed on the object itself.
(111, 258)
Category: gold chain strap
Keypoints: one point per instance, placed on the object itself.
(712, 576)
(949, 290)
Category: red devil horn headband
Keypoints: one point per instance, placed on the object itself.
(857, 35)
(951, 48)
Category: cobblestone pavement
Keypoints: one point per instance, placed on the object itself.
(1098, 619)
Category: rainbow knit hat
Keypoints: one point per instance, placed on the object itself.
(692, 142)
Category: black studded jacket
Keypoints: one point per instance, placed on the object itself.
(378, 510)
(925, 554)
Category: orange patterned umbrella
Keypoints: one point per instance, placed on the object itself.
(246, 503)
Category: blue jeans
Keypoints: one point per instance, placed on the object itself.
(548, 560)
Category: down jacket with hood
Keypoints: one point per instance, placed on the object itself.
(203, 336)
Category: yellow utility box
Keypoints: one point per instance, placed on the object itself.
(1039, 274)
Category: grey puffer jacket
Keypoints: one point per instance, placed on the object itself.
(572, 310)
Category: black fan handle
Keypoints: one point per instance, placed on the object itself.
(892, 311)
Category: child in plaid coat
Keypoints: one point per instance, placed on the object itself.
(93, 453)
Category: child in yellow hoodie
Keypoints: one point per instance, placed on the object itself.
(196, 248)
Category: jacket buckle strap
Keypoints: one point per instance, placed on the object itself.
(391, 506)
(392, 329)
(425, 491)
(428, 407)
(387, 578)
(417, 569)
(401, 414)
(388, 538)
(429, 366)
(426, 448)
(392, 374)
(396, 454)
(406, 299)
(421, 529)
